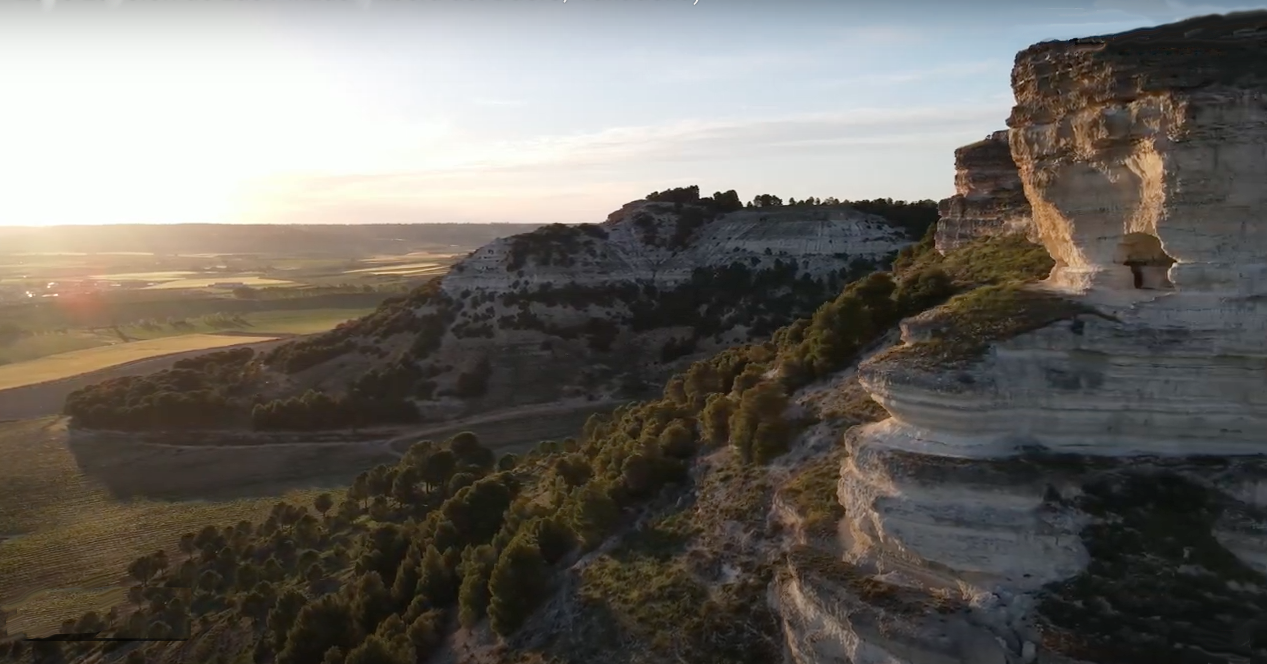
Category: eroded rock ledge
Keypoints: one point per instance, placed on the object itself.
(1092, 486)
(1147, 150)
(989, 199)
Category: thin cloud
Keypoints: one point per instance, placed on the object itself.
(688, 141)
(693, 68)
(952, 70)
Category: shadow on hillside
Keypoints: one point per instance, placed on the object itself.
(130, 470)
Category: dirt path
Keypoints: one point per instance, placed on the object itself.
(44, 399)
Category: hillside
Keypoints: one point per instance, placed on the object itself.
(601, 311)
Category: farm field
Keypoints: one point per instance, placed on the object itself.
(74, 513)
(46, 399)
(280, 322)
(73, 363)
(207, 282)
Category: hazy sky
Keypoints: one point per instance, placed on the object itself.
(500, 110)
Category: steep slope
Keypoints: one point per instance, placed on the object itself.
(590, 311)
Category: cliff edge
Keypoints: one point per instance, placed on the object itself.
(1078, 465)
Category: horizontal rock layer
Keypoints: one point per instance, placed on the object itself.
(989, 198)
(1149, 146)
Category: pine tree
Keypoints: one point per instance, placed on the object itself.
(477, 568)
(517, 585)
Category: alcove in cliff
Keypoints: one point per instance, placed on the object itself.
(1149, 263)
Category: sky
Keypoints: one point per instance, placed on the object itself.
(535, 111)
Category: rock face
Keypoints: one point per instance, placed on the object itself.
(1091, 486)
(1149, 147)
(989, 199)
(594, 306)
(635, 245)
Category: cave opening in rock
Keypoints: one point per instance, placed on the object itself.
(1149, 263)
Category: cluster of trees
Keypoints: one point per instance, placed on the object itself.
(691, 212)
(718, 299)
(719, 203)
(826, 342)
(445, 535)
(318, 411)
(297, 356)
(200, 392)
(916, 218)
(913, 217)
(555, 244)
(400, 379)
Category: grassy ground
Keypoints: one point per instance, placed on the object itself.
(279, 322)
(971, 322)
(65, 537)
(66, 365)
(812, 493)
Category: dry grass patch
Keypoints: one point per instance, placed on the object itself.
(65, 540)
(812, 493)
(964, 328)
(66, 365)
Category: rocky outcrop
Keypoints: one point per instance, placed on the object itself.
(989, 199)
(1088, 475)
(641, 243)
(592, 307)
(1149, 147)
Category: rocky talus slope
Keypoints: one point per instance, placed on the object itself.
(1075, 471)
(989, 198)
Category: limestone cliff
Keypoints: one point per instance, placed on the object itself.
(1073, 471)
(599, 309)
(989, 199)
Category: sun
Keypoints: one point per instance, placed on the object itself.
(193, 135)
